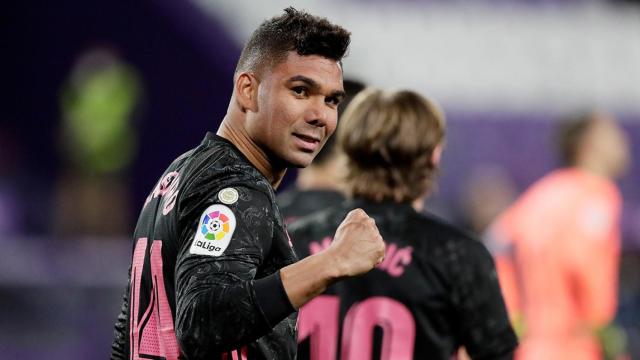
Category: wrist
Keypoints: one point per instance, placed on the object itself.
(309, 277)
(333, 267)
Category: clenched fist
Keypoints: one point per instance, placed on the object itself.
(357, 246)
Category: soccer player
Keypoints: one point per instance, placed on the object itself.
(213, 274)
(318, 186)
(557, 247)
(436, 289)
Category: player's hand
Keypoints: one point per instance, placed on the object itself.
(357, 246)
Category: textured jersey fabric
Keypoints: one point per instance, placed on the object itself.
(557, 252)
(204, 280)
(295, 203)
(435, 291)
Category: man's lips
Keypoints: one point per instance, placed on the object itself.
(309, 138)
(307, 142)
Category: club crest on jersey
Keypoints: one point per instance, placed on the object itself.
(228, 196)
(214, 232)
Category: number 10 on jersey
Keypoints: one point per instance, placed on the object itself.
(319, 322)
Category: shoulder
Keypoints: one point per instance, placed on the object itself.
(318, 223)
(288, 197)
(312, 233)
(451, 245)
(442, 231)
(216, 173)
(217, 165)
(322, 220)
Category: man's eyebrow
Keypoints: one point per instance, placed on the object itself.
(315, 86)
(309, 81)
(340, 94)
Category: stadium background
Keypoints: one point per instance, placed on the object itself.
(504, 71)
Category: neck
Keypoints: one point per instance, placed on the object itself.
(419, 203)
(252, 151)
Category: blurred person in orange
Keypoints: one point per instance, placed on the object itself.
(557, 247)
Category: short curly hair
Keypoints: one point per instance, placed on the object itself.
(292, 31)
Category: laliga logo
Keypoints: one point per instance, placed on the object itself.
(214, 232)
(215, 226)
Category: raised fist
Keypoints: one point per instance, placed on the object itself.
(357, 244)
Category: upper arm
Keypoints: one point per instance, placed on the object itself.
(594, 256)
(232, 237)
(222, 247)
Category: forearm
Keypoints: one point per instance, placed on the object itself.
(309, 277)
(212, 319)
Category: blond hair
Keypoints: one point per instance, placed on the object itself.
(389, 139)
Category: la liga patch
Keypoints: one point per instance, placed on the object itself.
(214, 232)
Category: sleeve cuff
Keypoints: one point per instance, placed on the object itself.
(272, 298)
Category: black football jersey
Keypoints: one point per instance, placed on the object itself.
(204, 280)
(435, 291)
(295, 203)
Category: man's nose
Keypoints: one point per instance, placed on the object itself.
(318, 113)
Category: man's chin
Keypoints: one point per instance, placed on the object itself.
(298, 161)
(300, 164)
(301, 161)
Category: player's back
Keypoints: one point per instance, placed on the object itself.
(435, 291)
(563, 233)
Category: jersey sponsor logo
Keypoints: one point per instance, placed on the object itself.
(214, 232)
(228, 196)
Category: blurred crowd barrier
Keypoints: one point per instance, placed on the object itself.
(58, 298)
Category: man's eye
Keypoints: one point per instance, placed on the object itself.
(333, 100)
(300, 90)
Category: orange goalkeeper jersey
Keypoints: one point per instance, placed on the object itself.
(557, 254)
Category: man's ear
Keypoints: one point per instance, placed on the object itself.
(246, 92)
(436, 155)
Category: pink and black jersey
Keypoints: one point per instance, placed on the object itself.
(435, 291)
(204, 280)
(295, 203)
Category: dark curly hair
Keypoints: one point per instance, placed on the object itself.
(292, 31)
